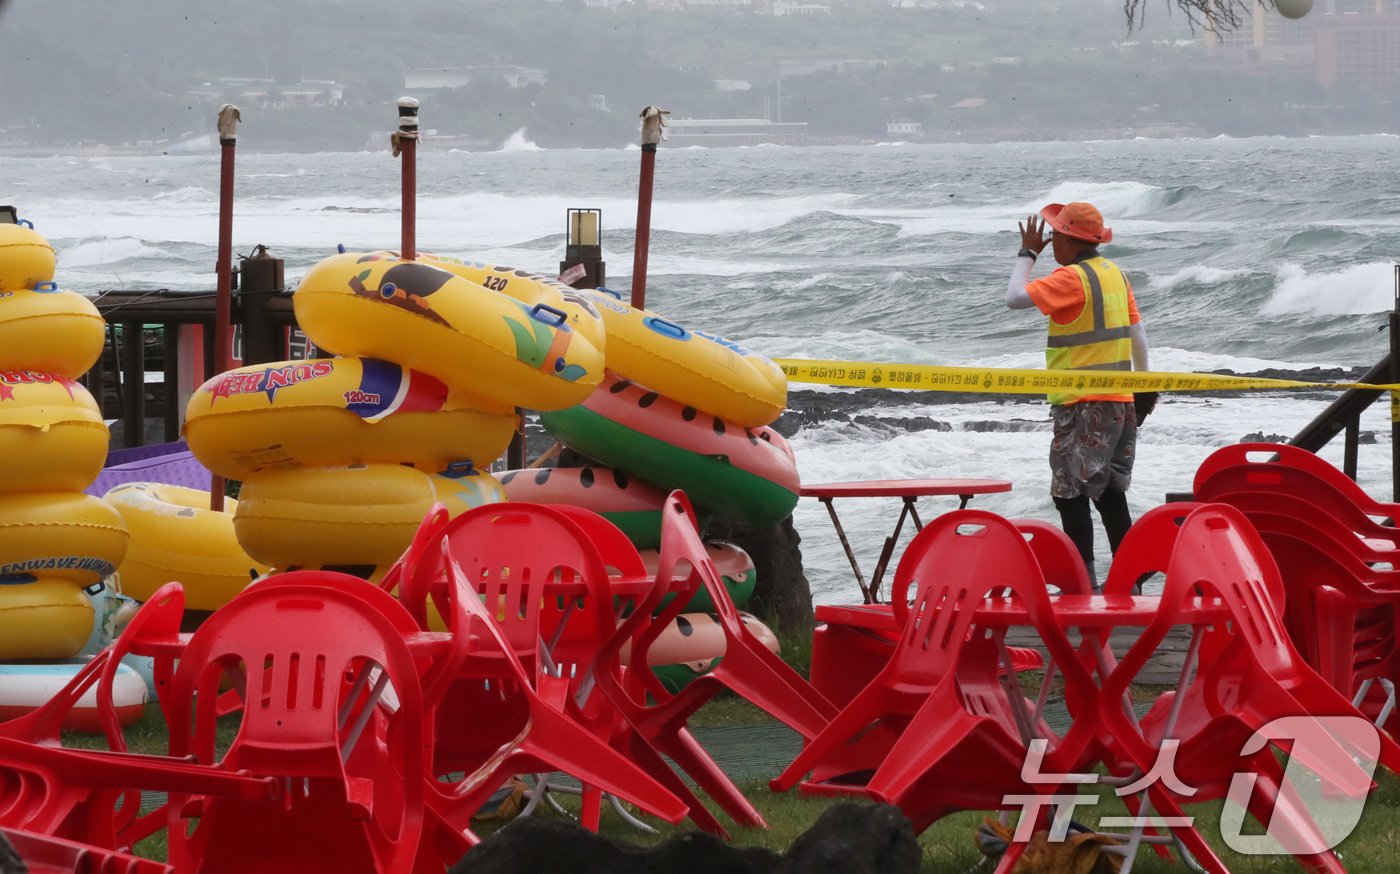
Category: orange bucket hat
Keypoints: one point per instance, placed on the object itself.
(1080, 220)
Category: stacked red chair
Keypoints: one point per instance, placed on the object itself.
(1338, 562)
(1254, 678)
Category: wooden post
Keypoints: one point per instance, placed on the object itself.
(223, 300)
(132, 372)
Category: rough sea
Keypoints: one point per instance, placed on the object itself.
(1245, 255)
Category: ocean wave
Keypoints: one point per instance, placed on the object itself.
(1355, 290)
(108, 250)
(1198, 274)
(519, 142)
(1127, 199)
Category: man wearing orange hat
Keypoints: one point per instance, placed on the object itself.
(1093, 325)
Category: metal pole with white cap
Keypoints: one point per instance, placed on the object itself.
(223, 266)
(405, 145)
(653, 132)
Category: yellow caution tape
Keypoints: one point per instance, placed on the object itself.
(1007, 380)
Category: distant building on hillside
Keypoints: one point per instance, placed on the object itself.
(268, 93)
(450, 78)
(785, 7)
(732, 131)
(904, 127)
(826, 65)
(1339, 43)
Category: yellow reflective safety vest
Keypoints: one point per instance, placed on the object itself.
(1099, 338)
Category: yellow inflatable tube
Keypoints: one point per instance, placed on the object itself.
(42, 618)
(696, 369)
(499, 351)
(359, 514)
(293, 414)
(464, 491)
(67, 536)
(531, 288)
(26, 258)
(44, 328)
(52, 436)
(175, 536)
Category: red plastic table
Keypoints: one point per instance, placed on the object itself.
(909, 490)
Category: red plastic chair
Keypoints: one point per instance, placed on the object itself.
(403, 578)
(158, 618)
(1253, 680)
(849, 662)
(749, 668)
(1326, 494)
(72, 794)
(1147, 547)
(1282, 454)
(550, 739)
(523, 704)
(619, 554)
(45, 854)
(654, 718)
(1060, 562)
(295, 646)
(1342, 607)
(852, 643)
(961, 735)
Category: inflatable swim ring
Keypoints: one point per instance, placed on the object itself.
(52, 435)
(700, 370)
(748, 474)
(627, 502)
(531, 288)
(693, 644)
(44, 328)
(332, 411)
(465, 490)
(25, 686)
(26, 258)
(66, 536)
(42, 618)
(175, 536)
(501, 352)
(735, 568)
(359, 514)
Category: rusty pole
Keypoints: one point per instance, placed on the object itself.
(223, 268)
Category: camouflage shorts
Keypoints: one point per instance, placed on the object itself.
(1092, 448)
